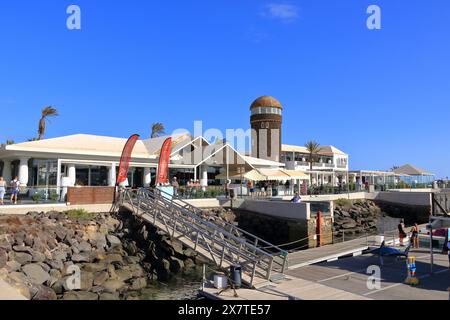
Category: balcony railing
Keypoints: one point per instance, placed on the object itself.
(302, 163)
(318, 164)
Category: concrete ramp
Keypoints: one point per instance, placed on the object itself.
(332, 252)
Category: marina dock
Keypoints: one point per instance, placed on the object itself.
(332, 252)
(346, 279)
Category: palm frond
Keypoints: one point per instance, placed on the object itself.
(157, 130)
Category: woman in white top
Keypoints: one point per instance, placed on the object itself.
(2, 189)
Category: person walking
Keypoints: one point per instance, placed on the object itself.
(415, 236)
(401, 232)
(251, 188)
(227, 189)
(2, 190)
(15, 189)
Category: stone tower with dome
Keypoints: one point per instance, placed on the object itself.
(266, 121)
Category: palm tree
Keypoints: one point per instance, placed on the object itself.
(47, 112)
(394, 168)
(313, 148)
(157, 130)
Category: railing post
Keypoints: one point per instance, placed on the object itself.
(256, 245)
(196, 242)
(222, 256)
(253, 274)
(285, 263)
(269, 271)
(204, 277)
(139, 205)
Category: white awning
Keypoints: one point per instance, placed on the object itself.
(253, 175)
(297, 174)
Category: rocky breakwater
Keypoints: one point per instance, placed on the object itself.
(355, 217)
(82, 256)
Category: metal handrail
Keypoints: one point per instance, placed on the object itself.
(223, 244)
(216, 227)
(198, 229)
(232, 227)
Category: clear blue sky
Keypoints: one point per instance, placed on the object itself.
(382, 96)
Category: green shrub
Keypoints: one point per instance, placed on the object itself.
(80, 214)
(54, 196)
(37, 197)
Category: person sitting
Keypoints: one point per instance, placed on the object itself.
(296, 198)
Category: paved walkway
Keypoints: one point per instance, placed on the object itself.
(347, 279)
(9, 293)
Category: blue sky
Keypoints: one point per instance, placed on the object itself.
(382, 96)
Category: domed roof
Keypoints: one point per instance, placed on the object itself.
(266, 101)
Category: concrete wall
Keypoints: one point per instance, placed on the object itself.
(298, 211)
(204, 203)
(404, 198)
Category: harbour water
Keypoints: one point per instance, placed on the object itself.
(180, 287)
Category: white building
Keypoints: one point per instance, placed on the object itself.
(91, 160)
(330, 166)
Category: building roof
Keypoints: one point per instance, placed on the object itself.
(324, 150)
(85, 144)
(331, 150)
(290, 148)
(411, 170)
(266, 101)
(262, 162)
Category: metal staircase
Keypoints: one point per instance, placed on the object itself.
(222, 243)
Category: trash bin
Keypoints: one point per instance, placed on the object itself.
(274, 192)
(236, 276)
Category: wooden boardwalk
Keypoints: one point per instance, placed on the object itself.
(329, 253)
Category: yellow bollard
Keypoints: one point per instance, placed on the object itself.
(412, 271)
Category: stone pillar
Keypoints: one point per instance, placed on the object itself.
(204, 175)
(72, 174)
(7, 171)
(112, 176)
(23, 171)
(147, 177)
